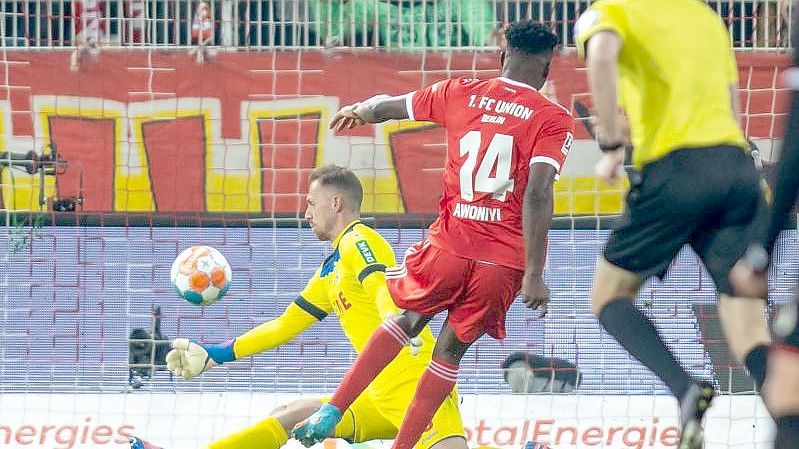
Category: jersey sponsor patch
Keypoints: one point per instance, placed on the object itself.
(366, 252)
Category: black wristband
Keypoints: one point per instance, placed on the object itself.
(608, 147)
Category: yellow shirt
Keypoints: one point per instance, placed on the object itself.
(351, 282)
(675, 68)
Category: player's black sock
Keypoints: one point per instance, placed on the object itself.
(756, 364)
(787, 432)
(639, 337)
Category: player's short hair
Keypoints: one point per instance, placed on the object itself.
(341, 178)
(530, 37)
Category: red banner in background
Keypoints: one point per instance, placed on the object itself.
(156, 131)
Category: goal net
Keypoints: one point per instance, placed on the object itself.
(113, 159)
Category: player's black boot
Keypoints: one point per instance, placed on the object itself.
(693, 406)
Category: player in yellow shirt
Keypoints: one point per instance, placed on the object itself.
(671, 67)
(351, 283)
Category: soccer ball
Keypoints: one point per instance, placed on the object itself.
(201, 275)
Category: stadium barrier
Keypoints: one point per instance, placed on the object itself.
(97, 421)
(268, 24)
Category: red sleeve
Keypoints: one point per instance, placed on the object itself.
(554, 140)
(430, 103)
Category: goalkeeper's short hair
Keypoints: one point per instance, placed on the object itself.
(341, 178)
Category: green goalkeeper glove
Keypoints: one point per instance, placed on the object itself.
(189, 359)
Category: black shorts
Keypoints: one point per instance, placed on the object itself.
(709, 197)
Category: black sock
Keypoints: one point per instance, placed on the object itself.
(639, 337)
(756, 364)
(787, 433)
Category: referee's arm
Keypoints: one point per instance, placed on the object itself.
(602, 62)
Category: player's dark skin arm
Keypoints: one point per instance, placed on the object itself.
(537, 218)
(749, 275)
(787, 185)
(377, 109)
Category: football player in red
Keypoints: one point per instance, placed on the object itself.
(506, 144)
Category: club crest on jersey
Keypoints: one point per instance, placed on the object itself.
(366, 251)
(329, 264)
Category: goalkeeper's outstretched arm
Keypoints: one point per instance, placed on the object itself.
(294, 321)
(189, 359)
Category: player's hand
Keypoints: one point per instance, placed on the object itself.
(623, 130)
(189, 359)
(346, 118)
(749, 276)
(609, 166)
(535, 293)
(415, 345)
(747, 282)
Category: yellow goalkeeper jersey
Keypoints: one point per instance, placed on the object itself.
(351, 283)
(676, 66)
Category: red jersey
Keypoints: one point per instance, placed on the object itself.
(496, 129)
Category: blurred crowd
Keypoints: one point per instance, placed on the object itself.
(391, 24)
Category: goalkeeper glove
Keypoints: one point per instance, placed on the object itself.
(189, 359)
(416, 345)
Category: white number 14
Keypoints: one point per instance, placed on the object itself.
(498, 153)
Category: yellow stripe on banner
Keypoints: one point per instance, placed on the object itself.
(3, 117)
(588, 195)
(47, 112)
(20, 190)
(386, 196)
(253, 116)
(7, 175)
(140, 196)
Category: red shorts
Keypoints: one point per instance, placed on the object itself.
(476, 294)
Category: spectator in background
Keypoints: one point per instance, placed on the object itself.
(92, 21)
(147, 352)
(531, 373)
(755, 23)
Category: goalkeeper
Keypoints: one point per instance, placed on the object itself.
(350, 282)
